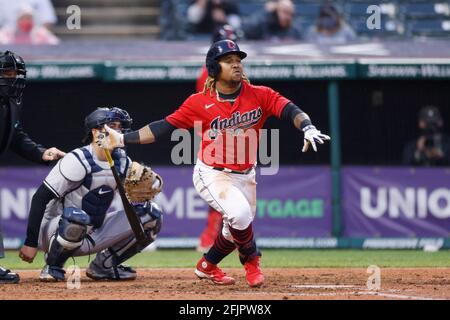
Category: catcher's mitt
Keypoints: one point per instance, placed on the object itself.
(142, 184)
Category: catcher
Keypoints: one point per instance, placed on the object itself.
(68, 215)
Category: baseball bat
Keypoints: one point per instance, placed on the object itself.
(132, 216)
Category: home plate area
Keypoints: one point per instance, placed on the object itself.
(281, 284)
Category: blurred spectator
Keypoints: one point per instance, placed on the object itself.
(171, 22)
(25, 31)
(43, 9)
(204, 16)
(432, 147)
(276, 22)
(330, 27)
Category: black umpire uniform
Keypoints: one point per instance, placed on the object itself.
(12, 136)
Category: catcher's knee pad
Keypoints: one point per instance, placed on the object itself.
(69, 237)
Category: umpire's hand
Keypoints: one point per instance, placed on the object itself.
(52, 154)
(27, 253)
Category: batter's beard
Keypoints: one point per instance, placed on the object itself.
(235, 83)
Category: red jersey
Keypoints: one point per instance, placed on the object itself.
(229, 132)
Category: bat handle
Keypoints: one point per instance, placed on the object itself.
(108, 157)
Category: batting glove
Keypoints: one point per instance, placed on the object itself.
(312, 135)
(110, 139)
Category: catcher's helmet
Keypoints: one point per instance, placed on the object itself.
(12, 86)
(217, 50)
(101, 116)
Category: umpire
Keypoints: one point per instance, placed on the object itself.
(12, 84)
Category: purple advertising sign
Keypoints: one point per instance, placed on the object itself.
(396, 202)
(296, 202)
(17, 187)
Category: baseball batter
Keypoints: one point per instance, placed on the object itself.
(228, 110)
(68, 214)
(214, 221)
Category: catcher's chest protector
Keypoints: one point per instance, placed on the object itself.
(96, 192)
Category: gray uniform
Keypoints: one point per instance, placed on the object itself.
(82, 181)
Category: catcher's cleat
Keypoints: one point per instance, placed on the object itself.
(52, 274)
(8, 277)
(253, 273)
(207, 270)
(119, 273)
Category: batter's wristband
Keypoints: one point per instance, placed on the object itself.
(305, 123)
(131, 137)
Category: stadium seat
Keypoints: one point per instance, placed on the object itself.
(389, 28)
(249, 8)
(352, 9)
(307, 9)
(425, 10)
(305, 23)
(439, 28)
(183, 7)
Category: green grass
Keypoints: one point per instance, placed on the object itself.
(271, 259)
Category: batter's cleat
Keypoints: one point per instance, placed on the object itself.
(207, 270)
(253, 273)
(8, 277)
(119, 273)
(52, 274)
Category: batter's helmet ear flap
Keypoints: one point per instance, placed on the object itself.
(213, 69)
(212, 66)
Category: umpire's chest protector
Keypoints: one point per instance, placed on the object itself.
(9, 115)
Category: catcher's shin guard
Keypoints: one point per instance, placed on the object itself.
(68, 238)
(111, 258)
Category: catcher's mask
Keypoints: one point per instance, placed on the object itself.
(12, 75)
(220, 49)
(102, 116)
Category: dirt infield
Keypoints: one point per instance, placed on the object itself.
(281, 284)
